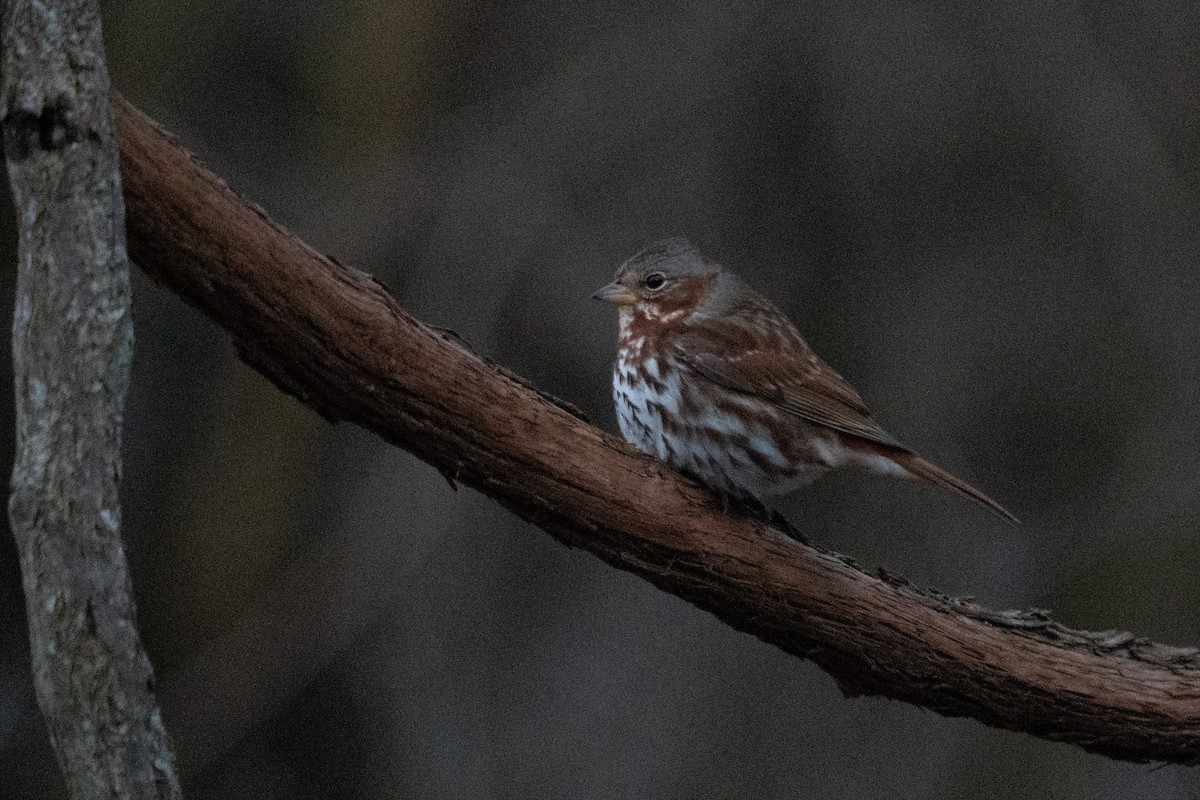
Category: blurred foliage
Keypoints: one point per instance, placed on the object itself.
(983, 215)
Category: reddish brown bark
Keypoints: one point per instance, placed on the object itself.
(333, 337)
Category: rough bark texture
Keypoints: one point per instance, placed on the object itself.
(72, 349)
(337, 340)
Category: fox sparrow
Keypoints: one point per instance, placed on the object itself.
(714, 380)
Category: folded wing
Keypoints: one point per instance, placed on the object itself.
(780, 368)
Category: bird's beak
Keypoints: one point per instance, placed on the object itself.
(616, 294)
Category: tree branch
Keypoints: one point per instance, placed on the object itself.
(72, 353)
(336, 339)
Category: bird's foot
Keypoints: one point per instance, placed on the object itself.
(740, 501)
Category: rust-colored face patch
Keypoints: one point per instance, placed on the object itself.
(680, 296)
(670, 306)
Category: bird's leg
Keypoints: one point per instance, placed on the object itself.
(755, 506)
(731, 499)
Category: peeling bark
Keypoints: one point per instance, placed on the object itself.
(337, 340)
(72, 353)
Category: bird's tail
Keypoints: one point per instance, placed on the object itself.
(929, 472)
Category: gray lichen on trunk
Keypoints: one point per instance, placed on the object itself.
(73, 350)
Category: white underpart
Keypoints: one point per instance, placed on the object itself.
(703, 448)
(837, 456)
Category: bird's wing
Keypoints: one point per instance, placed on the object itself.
(781, 370)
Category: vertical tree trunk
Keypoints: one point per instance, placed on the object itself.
(72, 349)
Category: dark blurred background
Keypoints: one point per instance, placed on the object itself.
(984, 215)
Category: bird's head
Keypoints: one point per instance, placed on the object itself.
(663, 282)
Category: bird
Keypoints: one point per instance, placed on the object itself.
(713, 379)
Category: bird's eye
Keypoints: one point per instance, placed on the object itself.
(655, 280)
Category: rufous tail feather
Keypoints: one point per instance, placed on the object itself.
(931, 473)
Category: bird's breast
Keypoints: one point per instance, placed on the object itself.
(647, 395)
(729, 441)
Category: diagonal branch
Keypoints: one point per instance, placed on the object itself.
(333, 337)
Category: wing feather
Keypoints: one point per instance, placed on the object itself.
(783, 371)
